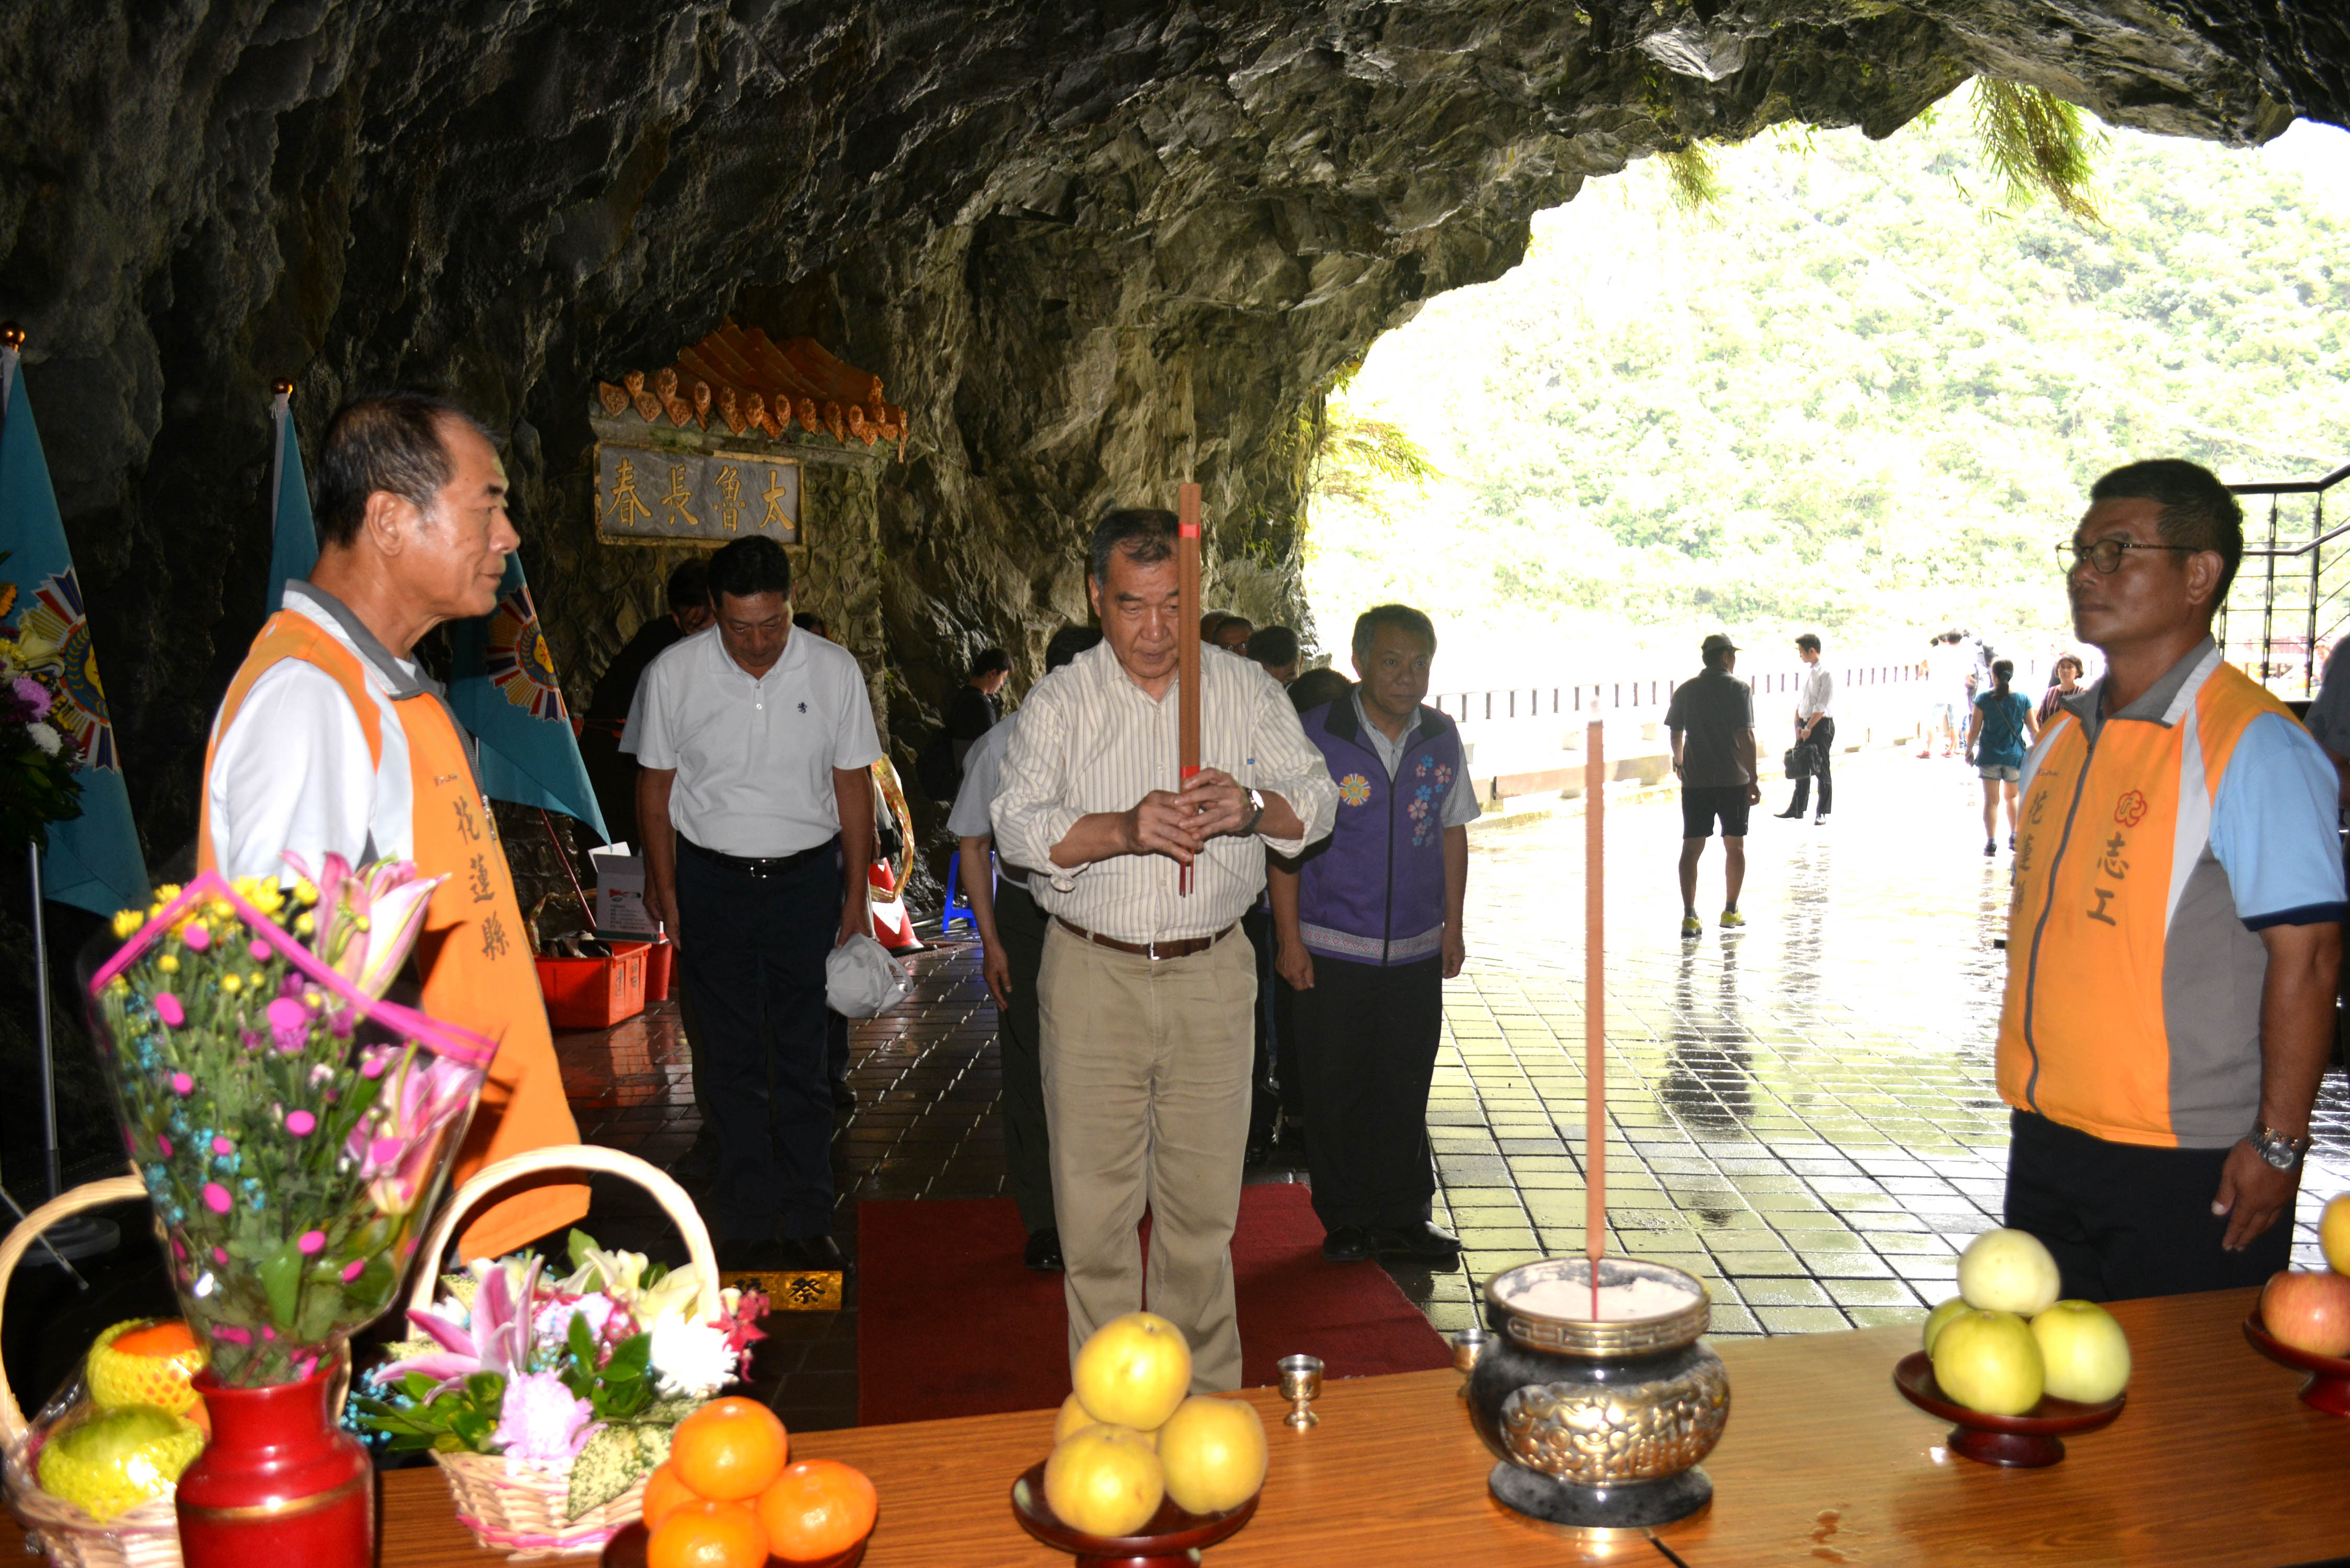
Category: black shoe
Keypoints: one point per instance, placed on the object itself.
(1423, 1241)
(764, 1256)
(844, 1098)
(1782, 815)
(1990, 848)
(812, 1253)
(1349, 1244)
(1044, 1252)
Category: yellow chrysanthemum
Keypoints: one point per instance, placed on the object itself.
(304, 926)
(127, 921)
(231, 984)
(166, 893)
(168, 963)
(306, 891)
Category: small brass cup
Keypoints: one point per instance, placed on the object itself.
(1301, 1384)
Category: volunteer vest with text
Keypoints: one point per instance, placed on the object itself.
(1373, 890)
(2127, 1014)
(473, 955)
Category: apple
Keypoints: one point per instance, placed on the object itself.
(1214, 1452)
(2308, 1309)
(1133, 1371)
(1940, 1315)
(1104, 1481)
(2084, 1351)
(2333, 1233)
(2008, 1271)
(1988, 1361)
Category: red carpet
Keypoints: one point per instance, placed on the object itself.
(949, 1323)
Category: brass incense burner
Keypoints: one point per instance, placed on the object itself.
(1597, 1424)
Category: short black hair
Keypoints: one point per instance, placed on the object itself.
(2197, 510)
(1143, 535)
(392, 442)
(1068, 643)
(988, 660)
(689, 586)
(1272, 645)
(1212, 623)
(1316, 687)
(1810, 639)
(1403, 617)
(808, 620)
(754, 565)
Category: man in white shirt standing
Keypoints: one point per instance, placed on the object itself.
(1814, 727)
(1147, 995)
(755, 741)
(1011, 948)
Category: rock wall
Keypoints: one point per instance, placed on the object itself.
(1092, 248)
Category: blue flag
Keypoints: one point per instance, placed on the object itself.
(502, 687)
(293, 539)
(93, 860)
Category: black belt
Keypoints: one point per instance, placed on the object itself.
(759, 866)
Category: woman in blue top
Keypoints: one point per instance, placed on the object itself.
(2001, 729)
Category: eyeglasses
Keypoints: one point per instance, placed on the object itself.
(2105, 555)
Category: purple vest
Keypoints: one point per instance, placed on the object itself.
(1373, 892)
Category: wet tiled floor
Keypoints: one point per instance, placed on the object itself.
(1802, 1113)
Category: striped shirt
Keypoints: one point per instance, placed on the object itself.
(1090, 741)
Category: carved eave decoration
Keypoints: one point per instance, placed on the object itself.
(748, 381)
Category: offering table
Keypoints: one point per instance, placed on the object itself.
(2214, 1462)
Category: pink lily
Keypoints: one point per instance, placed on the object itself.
(494, 1338)
(397, 1141)
(368, 919)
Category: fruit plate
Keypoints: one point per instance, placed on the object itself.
(2019, 1442)
(1171, 1538)
(2328, 1388)
(627, 1549)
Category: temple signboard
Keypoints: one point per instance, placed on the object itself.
(659, 494)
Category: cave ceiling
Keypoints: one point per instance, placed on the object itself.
(1089, 248)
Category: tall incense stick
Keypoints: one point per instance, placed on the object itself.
(1187, 643)
(1595, 1010)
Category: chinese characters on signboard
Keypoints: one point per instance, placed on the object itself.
(647, 493)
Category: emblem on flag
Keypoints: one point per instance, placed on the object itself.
(54, 618)
(516, 658)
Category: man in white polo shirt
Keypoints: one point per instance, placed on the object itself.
(755, 741)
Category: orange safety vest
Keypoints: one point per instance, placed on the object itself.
(2132, 1010)
(473, 954)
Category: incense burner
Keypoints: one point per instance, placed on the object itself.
(1598, 1422)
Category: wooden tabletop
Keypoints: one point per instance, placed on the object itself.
(2214, 1462)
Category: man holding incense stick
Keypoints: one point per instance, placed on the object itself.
(1147, 994)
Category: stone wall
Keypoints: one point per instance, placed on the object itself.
(1092, 248)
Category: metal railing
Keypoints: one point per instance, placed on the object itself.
(2271, 577)
(1593, 698)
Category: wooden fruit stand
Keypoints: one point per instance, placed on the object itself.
(2213, 1463)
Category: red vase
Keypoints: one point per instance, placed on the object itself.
(279, 1482)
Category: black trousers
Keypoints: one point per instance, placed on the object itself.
(1824, 745)
(753, 963)
(1028, 1147)
(1366, 1037)
(2125, 1220)
(1269, 1094)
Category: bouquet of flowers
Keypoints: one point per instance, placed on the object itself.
(578, 1380)
(36, 766)
(291, 1126)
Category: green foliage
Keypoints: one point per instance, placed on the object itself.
(2035, 142)
(455, 1420)
(1849, 404)
(1693, 176)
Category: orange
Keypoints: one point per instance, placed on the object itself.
(170, 1337)
(664, 1495)
(817, 1509)
(729, 1449)
(708, 1535)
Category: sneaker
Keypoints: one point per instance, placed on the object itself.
(1691, 927)
(1990, 848)
(1732, 919)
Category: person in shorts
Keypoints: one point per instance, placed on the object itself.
(2001, 729)
(1712, 722)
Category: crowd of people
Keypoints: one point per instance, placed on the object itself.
(1166, 951)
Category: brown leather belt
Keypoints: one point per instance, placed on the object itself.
(1153, 951)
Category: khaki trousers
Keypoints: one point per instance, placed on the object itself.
(1147, 1104)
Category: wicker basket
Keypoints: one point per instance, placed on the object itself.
(515, 1505)
(147, 1536)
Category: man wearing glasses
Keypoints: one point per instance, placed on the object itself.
(2174, 934)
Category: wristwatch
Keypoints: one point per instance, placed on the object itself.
(1256, 814)
(2280, 1151)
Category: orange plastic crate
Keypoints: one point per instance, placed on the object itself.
(594, 992)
